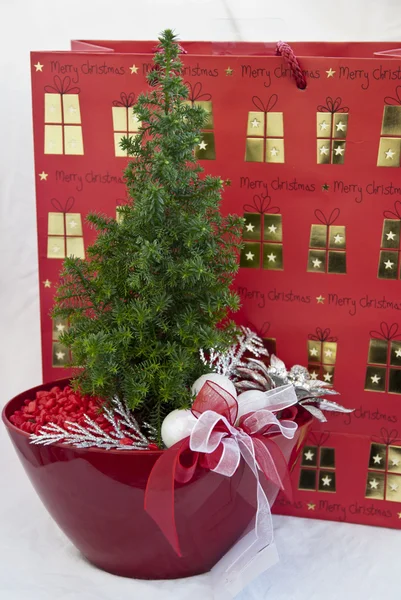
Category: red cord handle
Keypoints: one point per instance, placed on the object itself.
(283, 49)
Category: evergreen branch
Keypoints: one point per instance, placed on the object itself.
(155, 286)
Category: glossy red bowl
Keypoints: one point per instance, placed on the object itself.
(97, 497)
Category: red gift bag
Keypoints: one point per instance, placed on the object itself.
(311, 141)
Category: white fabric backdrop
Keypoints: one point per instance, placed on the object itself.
(36, 561)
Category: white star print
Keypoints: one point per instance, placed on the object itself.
(389, 154)
(255, 123)
(52, 108)
(341, 126)
(328, 352)
(324, 150)
(326, 480)
(250, 256)
(338, 238)
(202, 145)
(339, 150)
(60, 327)
(72, 224)
(250, 227)
(390, 235)
(272, 228)
(394, 487)
(313, 375)
(60, 355)
(72, 109)
(274, 151)
(327, 377)
(389, 264)
(395, 462)
(271, 257)
(324, 125)
(398, 353)
(313, 351)
(375, 378)
(316, 263)
(373, 484)
(377, 459)
(56, 249)
(309, 455)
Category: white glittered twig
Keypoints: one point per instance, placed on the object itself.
(226, 363)
(92, 435)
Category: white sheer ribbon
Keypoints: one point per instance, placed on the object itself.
(236, 441)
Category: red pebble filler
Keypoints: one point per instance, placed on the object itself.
(60, 405)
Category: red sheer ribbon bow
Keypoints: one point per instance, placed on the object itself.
(217, 442)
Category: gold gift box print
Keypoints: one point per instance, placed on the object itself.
(384, 470)
(65, 234)
(383, 372)
(327, 245)
(60, 353)
(318, 465)
(265, 133)
(120, 204)
(63, 130)
(262, 235)
(269, 343)
(389, 154)
(125, 122)
(322, 355)
(205, 149)
(390, 247)
(331, 132)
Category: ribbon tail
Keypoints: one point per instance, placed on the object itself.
(159, 493)
(261, 534)
(272, 463)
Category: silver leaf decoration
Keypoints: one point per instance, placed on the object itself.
(316, 412)
(329, 405)
(254, 374)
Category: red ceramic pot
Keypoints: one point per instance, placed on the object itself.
(97, 498)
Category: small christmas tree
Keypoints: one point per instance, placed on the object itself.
(156, 285)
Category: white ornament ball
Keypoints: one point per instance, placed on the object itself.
(176, 426)
(221, 380)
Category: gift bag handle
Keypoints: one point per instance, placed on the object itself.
(283, 49)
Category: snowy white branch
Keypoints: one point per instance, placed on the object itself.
(91, 435)
(225, 363)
